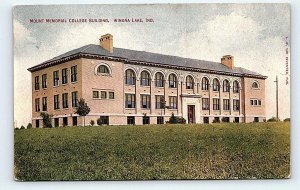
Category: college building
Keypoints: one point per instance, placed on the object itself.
(123, 86)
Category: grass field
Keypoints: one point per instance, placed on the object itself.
(218, 151)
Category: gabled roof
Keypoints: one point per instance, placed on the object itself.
(148, 58)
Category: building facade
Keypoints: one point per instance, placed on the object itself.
(124, 86)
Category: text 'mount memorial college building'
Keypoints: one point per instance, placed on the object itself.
(123, 86)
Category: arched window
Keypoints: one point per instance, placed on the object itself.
(102, 69)
(236, 87)
(145, 78)
(216, 85)
(129, 77)
(172, 81)
(159, 79)
(226, 86)
(255, 85)
(205, 83)
(189, 82)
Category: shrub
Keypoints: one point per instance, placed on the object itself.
(46, 120)
(16, 128)
(273, 119)
(225, 119)
(287, 120)
(176, 120)
(92, 122)
(29, 126)
(99, 122)
(22, 127)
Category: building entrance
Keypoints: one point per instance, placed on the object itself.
(191, 113)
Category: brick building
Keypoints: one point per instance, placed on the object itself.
(123, 86)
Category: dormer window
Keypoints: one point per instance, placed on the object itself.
(255, 85)
(103, 69)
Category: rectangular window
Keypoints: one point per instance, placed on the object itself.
(37, 104)
(44, 81)
(146, 120)
(160, 102)
(95, 94)
(37, 123)
(74, 121)
(55, 78)
(129, 100)
(160, 120)
(36, 83)
(74, 73)
(111, 95)
(226, 104)
(236, 105)
(56, 102)
(64, 76)
(103, 95)
(216, 104)
(205, 119)
(255, 102)
(65, 121)
(65, 100)
(205, 103)
(56, 122)
(104, 120)
(145, 101)
(130, 120)
(74, 99)
(44, 100)
(172, 102)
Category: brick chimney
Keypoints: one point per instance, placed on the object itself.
(228, 61)
(106, 42)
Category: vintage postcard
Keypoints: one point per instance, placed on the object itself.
(150, 92)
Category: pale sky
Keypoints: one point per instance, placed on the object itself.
(255, 34)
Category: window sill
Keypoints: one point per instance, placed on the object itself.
(129, 108)
(64, 84)
(145, 108)
(104, 75)
(74, 82)
(56, 86)
(132, 85)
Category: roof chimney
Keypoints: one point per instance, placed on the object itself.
(106, 42)
(228, 61)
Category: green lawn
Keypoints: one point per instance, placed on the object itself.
(218, 151)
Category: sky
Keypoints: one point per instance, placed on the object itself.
(257, 35)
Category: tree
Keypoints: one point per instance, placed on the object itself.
(46, 120)
(172, 119)
(83, 109)
(92, 122)
(99, 121)
(29, 126)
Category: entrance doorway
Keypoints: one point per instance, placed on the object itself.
(191, 113)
